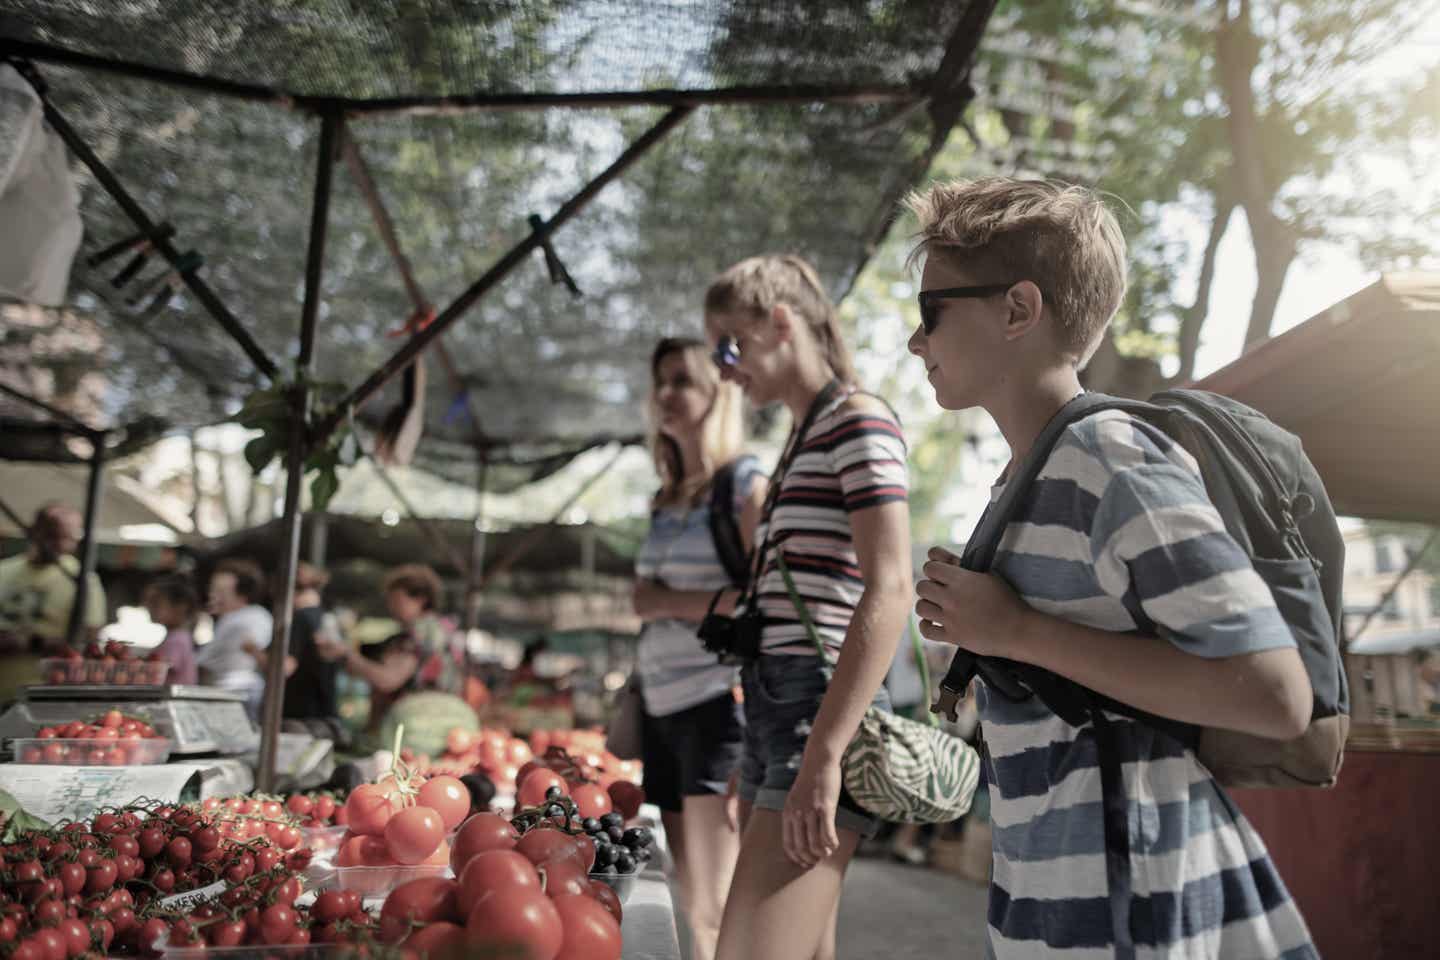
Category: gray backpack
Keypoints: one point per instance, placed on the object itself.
(1276, 508)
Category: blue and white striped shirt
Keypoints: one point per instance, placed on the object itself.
(675, 671)
(1118, 534)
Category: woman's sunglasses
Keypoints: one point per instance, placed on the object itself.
(930, 301)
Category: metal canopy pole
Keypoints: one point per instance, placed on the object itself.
(457, 103)
(295, 460)
(159, 241)
(88, 546)
(70, 422)
(402, 358)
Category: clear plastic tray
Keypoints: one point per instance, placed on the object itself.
(310, 951)
(91, 753)
(145, 673)
(379, 881)
(622, 883)
(323, 841)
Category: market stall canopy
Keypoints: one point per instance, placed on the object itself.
(26, 487)
(815, 119)
(556, 548)
(1360, 385)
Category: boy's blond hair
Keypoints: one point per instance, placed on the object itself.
(756, 285)
(1058, 235)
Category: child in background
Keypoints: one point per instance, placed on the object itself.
(173, 603)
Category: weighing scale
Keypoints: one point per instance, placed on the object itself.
(198, 720)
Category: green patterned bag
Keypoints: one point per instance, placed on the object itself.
(899, 769)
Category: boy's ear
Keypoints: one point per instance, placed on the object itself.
(1025, 306)
(782, 320)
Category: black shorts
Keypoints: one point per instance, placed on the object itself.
(693, 752)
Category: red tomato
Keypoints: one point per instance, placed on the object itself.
(438, 939)
(591, 800)
(300, 805)
(448, 797)
(585, 850)
(627, 798)
(441, 856)
(534, 787)
(542, 845)
(112, 719)
(277, 924)
(590, 932)
(412, 835)
(563, 876)
(324, 807)
(72, 878)
(518, 752)
(523, 921)
(421, 901)
(526, 769)
(369, 808)
(51, 942)
(607, 898)
(495, 871)
(484, 831)
(459, 741)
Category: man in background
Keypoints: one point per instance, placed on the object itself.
(243, 630)
(37, 589)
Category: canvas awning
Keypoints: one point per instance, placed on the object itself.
(1360, 385)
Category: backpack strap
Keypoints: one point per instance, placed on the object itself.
(1072, 702)
(724, 526)
(979, 556)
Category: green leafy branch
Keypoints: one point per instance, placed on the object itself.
(270, 411)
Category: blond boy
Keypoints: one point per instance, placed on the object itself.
(1115, 572)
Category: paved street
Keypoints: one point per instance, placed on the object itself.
(897, 912)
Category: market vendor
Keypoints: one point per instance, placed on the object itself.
(243, 629)
(426, 654)
(37, 589)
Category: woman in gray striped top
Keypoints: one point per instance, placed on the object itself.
(694, 728)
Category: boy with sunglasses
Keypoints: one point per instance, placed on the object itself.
(1117, 573)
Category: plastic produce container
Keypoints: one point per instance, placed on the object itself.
(379, 881)
(310, 951)
(146, 673)
(622, 883)
(91, 753)
(323, 841)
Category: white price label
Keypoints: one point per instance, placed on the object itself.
(193, 898)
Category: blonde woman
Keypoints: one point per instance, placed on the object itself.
(693, 727)
(838, 514)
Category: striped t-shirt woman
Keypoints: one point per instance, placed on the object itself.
(676, 672)
(852, 457)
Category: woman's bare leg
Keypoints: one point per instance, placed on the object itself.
(711, 848)
(776, 909)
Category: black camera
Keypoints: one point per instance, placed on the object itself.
(733, 639)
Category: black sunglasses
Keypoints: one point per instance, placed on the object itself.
(930, 300)
(727, 352)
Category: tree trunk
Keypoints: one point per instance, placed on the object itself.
(1237, 55)
(1272, 263)
(1192, 320)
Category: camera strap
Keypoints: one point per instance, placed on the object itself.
(822, 400)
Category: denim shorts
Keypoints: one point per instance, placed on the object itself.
(693, 752)
(782, 697)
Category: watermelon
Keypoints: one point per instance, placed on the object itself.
(428, 716)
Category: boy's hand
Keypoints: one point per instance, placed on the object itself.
(971, 610)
